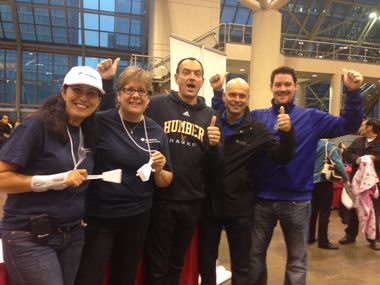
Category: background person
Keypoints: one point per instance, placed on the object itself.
(367, 144)
(43, 166)
(117, 215)
(323, 194)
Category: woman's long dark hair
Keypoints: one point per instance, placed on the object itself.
(53, 113)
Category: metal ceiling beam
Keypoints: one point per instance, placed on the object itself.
(321, 17)
(351, 3)
(367, 29)
(302, 27)
(351, 19)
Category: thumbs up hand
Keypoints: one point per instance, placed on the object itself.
(283, 121)
(213, 132)
(107, 68)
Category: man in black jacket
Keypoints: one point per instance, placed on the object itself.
(368, 144)
(230, 197)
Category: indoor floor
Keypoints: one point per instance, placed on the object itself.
(354, 264)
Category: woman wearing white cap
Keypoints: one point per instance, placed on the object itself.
(43, 167)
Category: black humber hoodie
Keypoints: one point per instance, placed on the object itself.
(186, 128)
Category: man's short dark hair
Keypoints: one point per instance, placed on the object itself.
(375, 123)
(283, 70)
(189, 58)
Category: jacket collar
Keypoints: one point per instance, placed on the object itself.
(288, 107)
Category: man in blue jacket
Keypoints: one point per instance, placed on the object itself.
(283, 192)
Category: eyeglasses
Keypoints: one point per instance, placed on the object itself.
(130, 91)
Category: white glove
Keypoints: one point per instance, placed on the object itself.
(41, 183)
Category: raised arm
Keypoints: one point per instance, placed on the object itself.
(107, 69)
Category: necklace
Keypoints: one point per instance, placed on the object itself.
(131, 130)
(145, 131)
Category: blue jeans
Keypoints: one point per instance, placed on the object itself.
(294, 221)
(53, 263)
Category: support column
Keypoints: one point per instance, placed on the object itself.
(187, 19)
(300, 94)
(265, 55)
(266, 43)
(335, 94)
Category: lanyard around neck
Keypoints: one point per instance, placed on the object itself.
(80, 151)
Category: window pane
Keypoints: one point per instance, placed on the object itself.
(29, 66)
(45, 90)
(41, 16)
(107, 5)
(91, 21)
(73, 3)
(60, 68)
(123, 6)
(2, 90)
(58, 18)
(10, 91)
(29, 92)
(59, 35)
(91, 38)
(135, 42)
(40, 1)
(25, 14)
(75, 37)
(73, 19)
(136, 26)
(6, 13)
(9, 32)
(27, 32)
(91, 4)
(10, 64)
(122, 41)
(107, 40)
(57, 2)
(122, 25)
(92, 61)
(107, 23)
(43, 33)
(2, 63)
(137, 7)
(44, 66)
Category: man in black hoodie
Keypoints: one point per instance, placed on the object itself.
(189, 126)
(230, 195)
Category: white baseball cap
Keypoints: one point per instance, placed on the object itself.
(84, 75)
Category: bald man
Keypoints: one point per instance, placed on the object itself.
(229, 189)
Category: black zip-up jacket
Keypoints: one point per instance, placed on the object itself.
(358, 148)
(230, 185)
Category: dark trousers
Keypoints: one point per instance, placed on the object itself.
(321, 210)
(352, 228)
(239, 241)
(171, 229)
(119, 240)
